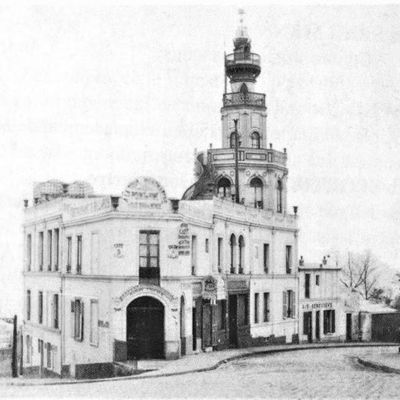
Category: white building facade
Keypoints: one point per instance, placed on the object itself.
(114, 278)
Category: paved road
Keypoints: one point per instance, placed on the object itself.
(329, 373)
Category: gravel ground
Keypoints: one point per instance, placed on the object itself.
(325, 373)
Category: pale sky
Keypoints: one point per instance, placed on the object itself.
(108, 93)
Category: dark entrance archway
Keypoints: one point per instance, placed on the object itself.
(145, 328)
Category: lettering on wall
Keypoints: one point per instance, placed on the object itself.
(144, 192)
(313, 306)
(183, 240)
(119, 250)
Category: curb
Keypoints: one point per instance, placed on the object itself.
(216, 365)
(377, 366)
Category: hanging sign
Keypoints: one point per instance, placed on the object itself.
(183, 240)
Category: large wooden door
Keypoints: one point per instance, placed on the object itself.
(349, 327)
(207, 326)
(317, 325)
(307, 325)
(145, 328)
(233, 328)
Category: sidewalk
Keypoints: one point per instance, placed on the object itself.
(387, 361)
(194, 363)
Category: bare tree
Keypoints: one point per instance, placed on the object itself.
(360, 273)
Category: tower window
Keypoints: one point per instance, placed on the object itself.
(257, 188)
(224, 187)
(279, 197)
(232, 140)
(241, 254)
(255, 140)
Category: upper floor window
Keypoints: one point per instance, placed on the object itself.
(241, 254)
(255, 140)
(49, 249)
(266, 258)
(40, 251)
(224, 187)
(55, 311)
(56, 248)
(40, 308)
(279, 196)
(77, 310)
(232, 244)
(69, 253)
(316, 280)
(307, 286)
(79, 254)
(219, 254)
(206, 246)
(29, 252)
(28, 305)
(149, 257)
(288, 259)
(257, 188)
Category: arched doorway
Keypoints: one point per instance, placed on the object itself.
(145, 328)
(224, 188)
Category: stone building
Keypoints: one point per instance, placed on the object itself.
(114, 278)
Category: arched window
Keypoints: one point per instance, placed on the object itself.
(243, 89)
(224, 188)
(279, 196)
(257, 188)
(241, 254)
(255, 140)
(232, 244)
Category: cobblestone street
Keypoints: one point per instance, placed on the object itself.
(328, 373)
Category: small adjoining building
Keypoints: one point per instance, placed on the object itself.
(321, 316)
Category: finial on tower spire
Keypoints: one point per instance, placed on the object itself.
(241, 31)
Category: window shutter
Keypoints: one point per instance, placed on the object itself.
(82, 320)
(284, 303)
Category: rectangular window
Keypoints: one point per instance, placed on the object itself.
(55, 312)
(94, 322)
(40, 251)
(256, 300)
(40, 308)
(149, 257)
(266, 307)
(49, 249)
(77, 308)
(221, 314)
(206, 246)
(29, 252)
(289, 305)
(28, 349)
(329, 321)
(56, 248)
(219, 251)
(69, 254)
(316, 280)
(28, 305)
(288, 259)
(94, 259)
(266, 258)
(194, 255)
(79, 254)
(48, 346)
(307, 286)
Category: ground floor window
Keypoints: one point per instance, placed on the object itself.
(48, 348)
(266, 307)
(256, 300)
(242, 310)
(28, 349)
(329, 321)
(289, 304)
(221, 314)
(94, 322)
(77, 319)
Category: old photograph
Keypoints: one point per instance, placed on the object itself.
(200, 200)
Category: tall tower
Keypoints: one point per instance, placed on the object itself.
(262, 172)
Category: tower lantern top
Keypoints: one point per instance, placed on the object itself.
(242, 39)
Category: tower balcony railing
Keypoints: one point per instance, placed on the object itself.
(242, 58)
(241, 98)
